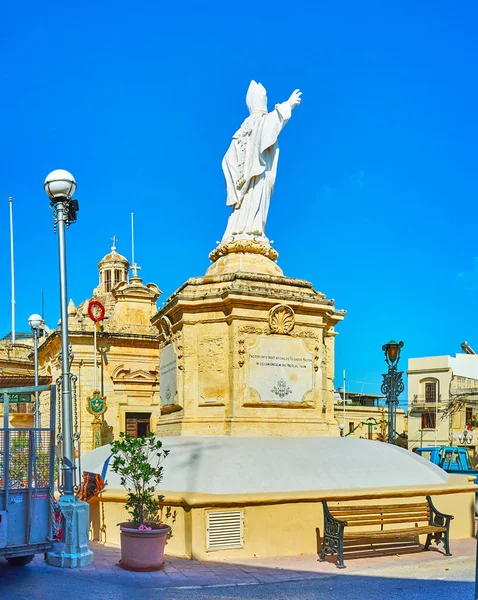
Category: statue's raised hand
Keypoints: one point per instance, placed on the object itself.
(295, 98)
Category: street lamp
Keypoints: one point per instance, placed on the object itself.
(341, 427)
(465, 437)
(392, 385)
(60, 187)
(36, 325)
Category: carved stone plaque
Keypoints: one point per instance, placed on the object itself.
(168, 373)
(281, 369)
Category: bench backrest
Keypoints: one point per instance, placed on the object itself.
(380, 514)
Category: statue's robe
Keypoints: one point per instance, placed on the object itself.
(250, 168)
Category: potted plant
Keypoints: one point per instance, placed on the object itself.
(138, 462)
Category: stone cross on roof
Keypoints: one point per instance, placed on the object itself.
(115, 239)
(135, 269)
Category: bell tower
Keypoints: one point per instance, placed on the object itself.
(113, 269)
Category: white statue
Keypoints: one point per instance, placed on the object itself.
(250, 164)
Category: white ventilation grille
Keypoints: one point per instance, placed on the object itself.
(225, 529)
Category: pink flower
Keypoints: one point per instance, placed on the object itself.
(143, 527)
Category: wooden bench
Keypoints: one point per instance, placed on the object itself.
(341, 522)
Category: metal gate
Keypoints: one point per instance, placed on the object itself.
(27, 472)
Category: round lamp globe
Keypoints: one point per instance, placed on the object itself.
(35, 321)
(60, 184)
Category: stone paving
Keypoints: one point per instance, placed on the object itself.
(189, 574)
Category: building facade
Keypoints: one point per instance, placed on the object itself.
(365, 416)
(126, 372)
(433, 382)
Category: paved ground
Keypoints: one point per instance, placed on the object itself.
(393, 573)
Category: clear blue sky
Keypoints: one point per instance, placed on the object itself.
(375, 199)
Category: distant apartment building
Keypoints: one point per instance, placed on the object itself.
(432, 382)
(365, 416)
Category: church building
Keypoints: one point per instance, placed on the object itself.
(127, 353)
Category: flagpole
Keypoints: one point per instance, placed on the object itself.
(132, 239)
(10, 200)
(134, 267)
(344, 398)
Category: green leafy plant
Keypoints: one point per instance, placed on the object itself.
(138, 462)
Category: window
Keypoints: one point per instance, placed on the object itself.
(351, 427)
(469, 415)
(428, 421)
(431, 392)
(117, 276)
(108, 281)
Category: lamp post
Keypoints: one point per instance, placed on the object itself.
(74, 552)
(36, 325)
(392, 385)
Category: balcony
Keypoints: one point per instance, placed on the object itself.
(423, 402)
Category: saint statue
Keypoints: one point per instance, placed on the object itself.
(250, 165)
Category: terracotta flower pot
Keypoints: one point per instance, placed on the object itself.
(143, 550)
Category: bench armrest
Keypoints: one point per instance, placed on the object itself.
(438, 518)
(329, 520)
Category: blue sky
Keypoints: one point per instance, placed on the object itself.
(375, 199)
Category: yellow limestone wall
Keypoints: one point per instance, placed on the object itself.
(275, 524)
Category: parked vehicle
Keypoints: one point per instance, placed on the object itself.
(452, 459)
(27, 508)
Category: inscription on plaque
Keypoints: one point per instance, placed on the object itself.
(168, 366)
(281, 370)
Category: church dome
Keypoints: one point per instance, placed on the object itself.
(113, 257)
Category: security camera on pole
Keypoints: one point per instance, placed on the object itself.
(73, 550)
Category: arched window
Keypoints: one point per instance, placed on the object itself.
(430, 390)
(118, 277)
(108, 281)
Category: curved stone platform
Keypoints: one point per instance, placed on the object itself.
(274, 486)
(251, 465)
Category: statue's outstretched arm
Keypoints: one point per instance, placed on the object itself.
(295, 98)
(276, 120)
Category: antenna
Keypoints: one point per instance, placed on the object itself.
(43, 305)
(134, 267)
(10, 200)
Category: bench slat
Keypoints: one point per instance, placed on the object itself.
(356, 523)
(378, 515)
(380, 509)
(393, 533)
(363, 517)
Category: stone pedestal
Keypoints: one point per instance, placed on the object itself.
(74, 551)
(245, 350)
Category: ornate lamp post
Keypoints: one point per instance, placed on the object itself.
(465, 437)
(392, 385)
(36, 325)
(74, 552)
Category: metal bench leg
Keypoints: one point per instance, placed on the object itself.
(325, 541)
(340, 554)
(447, 543)
(427, 543)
